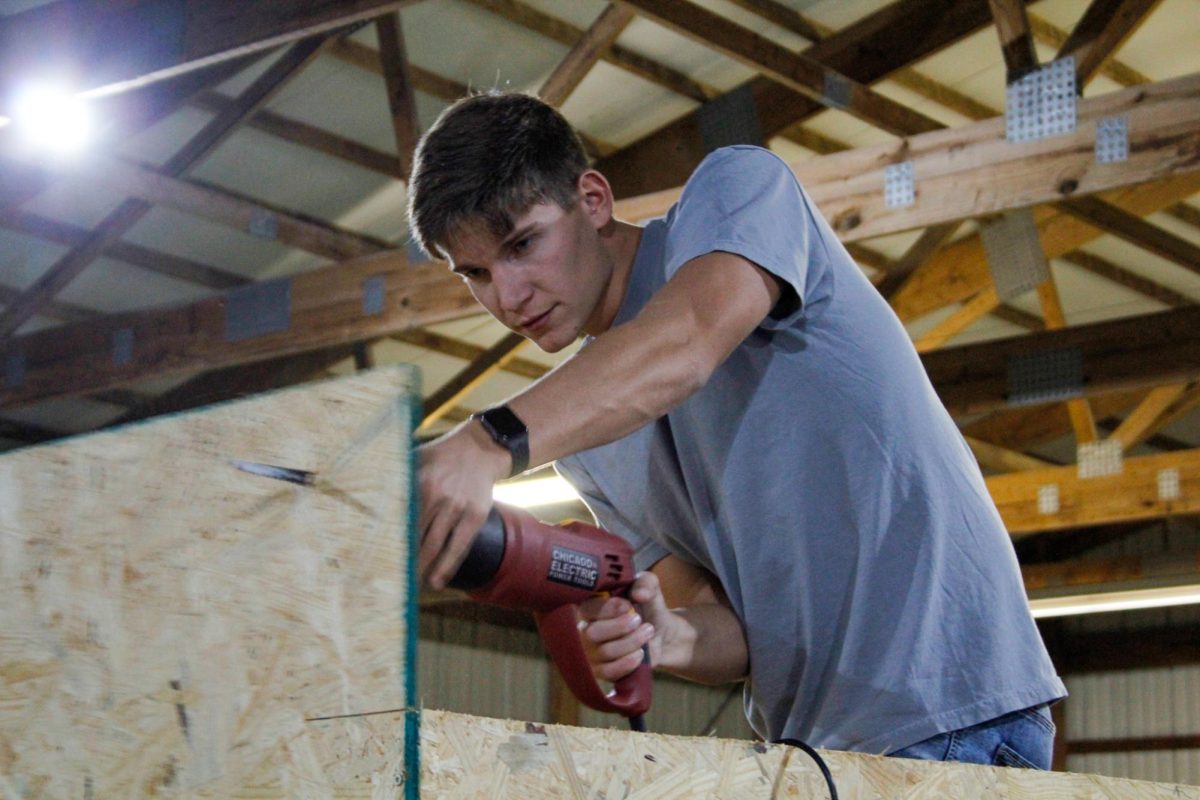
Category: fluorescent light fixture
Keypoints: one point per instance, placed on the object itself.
(535, 492)
(51, 118)
(1115, 601)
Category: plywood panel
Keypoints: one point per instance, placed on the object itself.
(473, 757)
(171, 626)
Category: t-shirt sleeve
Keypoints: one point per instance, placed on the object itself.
(745, 200)
(646, 551)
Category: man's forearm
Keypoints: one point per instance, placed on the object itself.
(707, 645)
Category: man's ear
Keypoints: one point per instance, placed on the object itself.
(596, 198)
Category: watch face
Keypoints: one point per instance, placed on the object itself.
(504, 423)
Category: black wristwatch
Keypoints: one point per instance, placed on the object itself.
(507, 430)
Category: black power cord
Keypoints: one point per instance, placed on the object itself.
(815, 756)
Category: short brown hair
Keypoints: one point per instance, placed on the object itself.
(488, 158)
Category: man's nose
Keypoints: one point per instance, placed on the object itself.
(512, 289)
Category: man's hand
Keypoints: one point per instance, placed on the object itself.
(614, 633)
(457, 473)
(699, 639)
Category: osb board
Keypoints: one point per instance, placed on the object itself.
(171, 626)
(487, 759)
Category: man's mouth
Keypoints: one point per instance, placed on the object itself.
(533, 324)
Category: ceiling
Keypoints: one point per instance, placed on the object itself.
(325, 149)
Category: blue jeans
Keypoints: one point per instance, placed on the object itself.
(1022, 738)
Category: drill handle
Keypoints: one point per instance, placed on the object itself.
(630, 696)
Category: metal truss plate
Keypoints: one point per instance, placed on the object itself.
(1045, 377)
(264, 224)
(835, 88)
(14, 370)
(374, 292)
(729, 119)
(899, 187)
(1014, 253)
(258, 309)
(1097, 459)
(1047, 499)
(122, 347)
(1168, 484)
(1042, 103)
(1112, 140)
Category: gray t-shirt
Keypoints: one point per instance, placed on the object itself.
(818, 476)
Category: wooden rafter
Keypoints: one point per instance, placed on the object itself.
(1023, 428)
(1140, 423)
(1130, 280)
(112, 47)
(1104, 26)
(971, 312)
(402, 105)
(487, 364)
(456, 348)
(800, 73)
(1136, 231)
(1133, 494)
(226, 207)
(1134, 352)
(553, 28)
(63, 233)
(959, 270)
(310, 136)
(994, 458)
(129, 213)
(918, 253)
(1016, 41)
(976, 161)
(1078, 409)
(584, 54)
(897, 35)
(325, 307)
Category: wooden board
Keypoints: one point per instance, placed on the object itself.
(465, 757)
(171, 626)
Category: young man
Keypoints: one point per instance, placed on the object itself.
(751, 415)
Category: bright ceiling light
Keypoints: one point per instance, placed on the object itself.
(535, 492)
(51, 118)
(4, 121)
(1128, 600)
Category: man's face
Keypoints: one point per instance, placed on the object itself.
(545, 280)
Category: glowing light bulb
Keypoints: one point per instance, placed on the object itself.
(52, 118)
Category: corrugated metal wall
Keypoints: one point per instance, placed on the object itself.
(1136, 704)
(491, 671)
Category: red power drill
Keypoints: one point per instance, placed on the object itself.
(521, 563)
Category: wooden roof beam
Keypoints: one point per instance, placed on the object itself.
(183, 269)
(402, 105)
(112, 47)
(1128, 353)
(120, 221)
(798, 72)
(1102, 29)
(1136, 231)
(553, 28)
(584, 54)
(466, 380)
(322, 307)
(1016, 42)
(881, 43)
(1133, 494)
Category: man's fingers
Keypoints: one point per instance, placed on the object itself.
(619, 667)
(466, 527)
(433, 538)
(611, 628)
(597, 608)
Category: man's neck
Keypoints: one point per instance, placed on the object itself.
(621, 246)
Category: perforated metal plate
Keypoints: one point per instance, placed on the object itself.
(1097, 459)
(1048, 499)
(1112, 140)
(899, 187)
(1168, 484)
(258, 309)
(14, 370)
(122, 346)
(1045, 377)
(729, 119)
(1014, 253)
(373, 295)
(264, 224)
(1042, 103)
(836, 89)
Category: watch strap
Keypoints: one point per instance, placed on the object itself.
(508, 431)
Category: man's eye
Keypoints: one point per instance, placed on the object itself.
(521, 245)
(472, 273)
